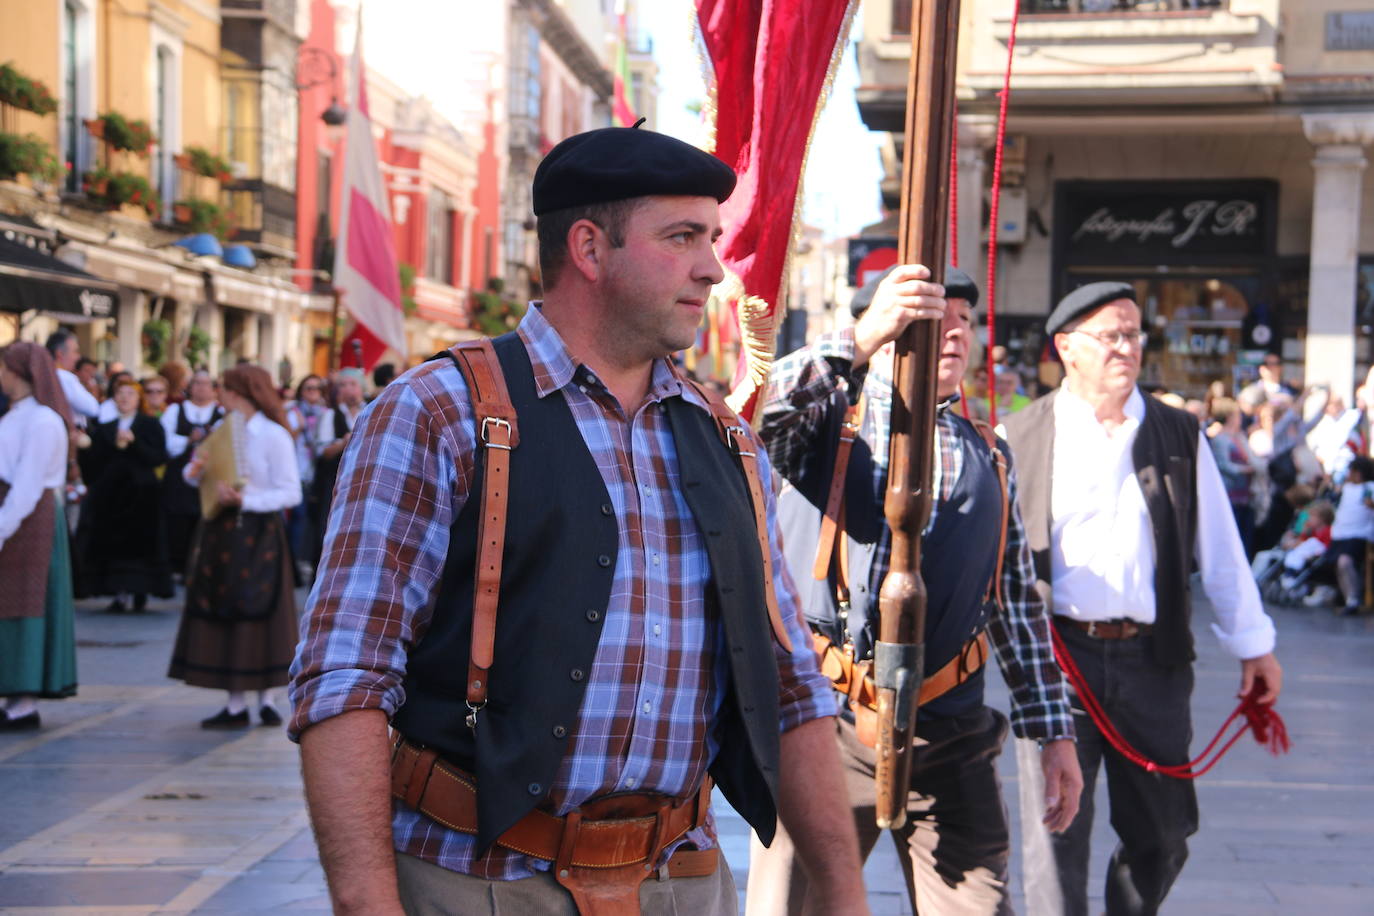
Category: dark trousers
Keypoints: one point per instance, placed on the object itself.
(954, 845)
(1153, 815)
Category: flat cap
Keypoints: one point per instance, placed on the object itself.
(958, 285)
(1085, 299)
(617, 163)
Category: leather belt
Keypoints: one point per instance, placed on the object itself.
(1107, 629)
(854, 679)
(601, 851)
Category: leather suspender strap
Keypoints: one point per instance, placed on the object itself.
(995, 586)
(733, 434)
(832, 523)
(498, 433)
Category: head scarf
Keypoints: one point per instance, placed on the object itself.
(34, 364)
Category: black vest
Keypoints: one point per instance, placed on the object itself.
(958, 554)
(179, 497)
(1165, 458)
(559, 561)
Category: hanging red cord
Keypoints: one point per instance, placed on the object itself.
(1005, 96)
(1260, 718)
(954, 191)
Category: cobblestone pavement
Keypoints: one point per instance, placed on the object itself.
(123, 805)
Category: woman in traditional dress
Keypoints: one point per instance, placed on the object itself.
(121, 540)
(239, 631)
(303, 417)
(37, 637)
(186, 426)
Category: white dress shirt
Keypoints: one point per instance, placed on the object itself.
(82, 402)
(199, 416)
(33, 458)
(272, 481)
(107, 412)
(1354, 520)
(1102, 552)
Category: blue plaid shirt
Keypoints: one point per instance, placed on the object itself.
(799, 392)
(647, 719)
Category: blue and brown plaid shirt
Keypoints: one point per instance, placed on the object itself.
(800, 391)
(647, 719)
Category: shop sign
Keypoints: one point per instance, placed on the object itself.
(1160, 223)
(870, 255)
(1350, 31)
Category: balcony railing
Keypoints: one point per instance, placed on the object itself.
(901, 9)
(1117, 7)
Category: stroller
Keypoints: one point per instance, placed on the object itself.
(1282, 585)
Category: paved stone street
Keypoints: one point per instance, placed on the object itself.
(123, 805)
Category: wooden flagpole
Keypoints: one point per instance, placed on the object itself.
(899, 653)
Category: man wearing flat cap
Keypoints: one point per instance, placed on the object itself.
(826, 420)
(1121, 498)
(642, 639)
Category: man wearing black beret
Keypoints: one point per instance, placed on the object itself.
(826, 421)
(642, 638)
(1121, 499)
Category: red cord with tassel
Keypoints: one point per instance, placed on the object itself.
(1261, 719)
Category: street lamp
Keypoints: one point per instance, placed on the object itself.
(316, 67)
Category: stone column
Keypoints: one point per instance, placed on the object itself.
(1339, 139)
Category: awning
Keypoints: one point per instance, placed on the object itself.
(32, 279)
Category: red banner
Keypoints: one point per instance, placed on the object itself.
(771, 60)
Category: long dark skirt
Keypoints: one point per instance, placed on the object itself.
(239, 630)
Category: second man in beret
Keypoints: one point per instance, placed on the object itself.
(827, 423)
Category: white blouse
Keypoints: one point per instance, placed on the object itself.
(273, 482)
(33, 458)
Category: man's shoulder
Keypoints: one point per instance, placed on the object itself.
(1176, 420)
(1034, 414)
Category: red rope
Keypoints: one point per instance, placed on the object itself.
(1005, 96)
(954, 191)
(1260, 718)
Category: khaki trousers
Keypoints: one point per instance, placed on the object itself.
(429, 890)
(954, 845)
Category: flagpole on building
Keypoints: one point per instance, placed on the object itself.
(336, 295)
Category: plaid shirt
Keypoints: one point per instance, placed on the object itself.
(799, 392)
(647, 720)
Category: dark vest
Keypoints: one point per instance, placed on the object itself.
(559, 561)
(1165, 458)
(958, 554)
(179, 497)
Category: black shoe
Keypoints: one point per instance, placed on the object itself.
(226, 719)
(1350, 610)
(268, 715)
(116, 607)
(23, 723)
(140, 603)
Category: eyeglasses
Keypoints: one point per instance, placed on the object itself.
(312, 388)
(1113, 340)
(154, 390)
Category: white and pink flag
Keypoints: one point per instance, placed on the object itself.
(365, 270)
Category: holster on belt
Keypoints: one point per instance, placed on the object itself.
(854, 679)
(601, 851)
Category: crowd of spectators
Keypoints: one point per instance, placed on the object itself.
(135, 515)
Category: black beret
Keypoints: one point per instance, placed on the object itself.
(1085, 299)
(958, 285)
(617, 163)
